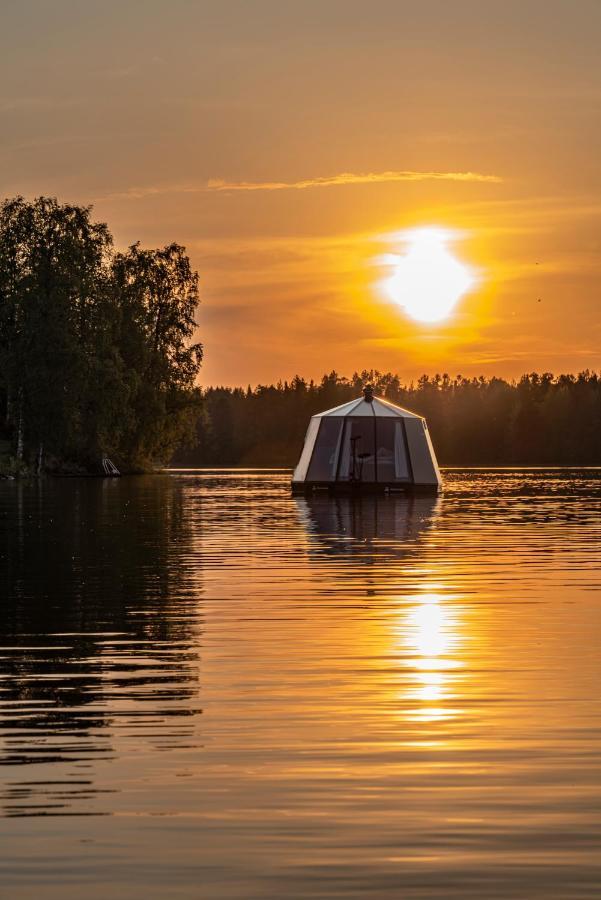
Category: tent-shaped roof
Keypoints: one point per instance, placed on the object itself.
(363, 407)
(369, 444)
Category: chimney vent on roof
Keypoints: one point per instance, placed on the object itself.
(368, 393)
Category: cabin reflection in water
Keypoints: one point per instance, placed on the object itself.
(341, 524)
(414, 642)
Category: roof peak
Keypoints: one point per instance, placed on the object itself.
(376, 406)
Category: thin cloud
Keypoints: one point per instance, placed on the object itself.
(218, 185)
(345, 178)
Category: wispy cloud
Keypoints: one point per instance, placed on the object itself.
(345, 178)
(218, 185)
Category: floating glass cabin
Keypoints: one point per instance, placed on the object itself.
(367, 445)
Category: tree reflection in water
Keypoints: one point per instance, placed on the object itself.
(99, 619)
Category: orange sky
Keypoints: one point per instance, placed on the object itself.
(226, 126)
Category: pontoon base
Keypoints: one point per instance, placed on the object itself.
(361, 488)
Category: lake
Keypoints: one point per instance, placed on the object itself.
(212, 689)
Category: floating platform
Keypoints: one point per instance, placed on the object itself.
(363, 488)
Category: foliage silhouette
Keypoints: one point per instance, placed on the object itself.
(538, 420)
(95, 353)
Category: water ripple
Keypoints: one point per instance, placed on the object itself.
(210, 688)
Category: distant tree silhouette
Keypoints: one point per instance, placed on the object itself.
(540, 419)
(96, 357)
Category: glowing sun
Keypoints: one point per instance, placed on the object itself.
(428, 280)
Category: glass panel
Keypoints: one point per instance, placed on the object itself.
(325, 454)
(345, 454)
(357, 453)
(385, 455)
(401, 465)
(300, 473)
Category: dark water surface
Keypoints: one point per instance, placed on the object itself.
(210, 689)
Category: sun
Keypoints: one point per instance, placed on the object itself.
(428, 280)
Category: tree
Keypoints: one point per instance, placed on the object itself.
(52, 274)
(158, 294)
(95, 352)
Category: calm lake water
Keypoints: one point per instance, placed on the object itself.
(211, 689)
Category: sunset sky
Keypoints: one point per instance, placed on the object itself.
(290, 146)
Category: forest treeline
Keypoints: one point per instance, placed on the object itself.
(97, 359)
(539, 419)
(96, 351)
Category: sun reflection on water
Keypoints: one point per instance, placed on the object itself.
(431, 635)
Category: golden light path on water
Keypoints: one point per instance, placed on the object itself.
(431, 630)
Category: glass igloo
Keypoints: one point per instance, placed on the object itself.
(367, 445)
